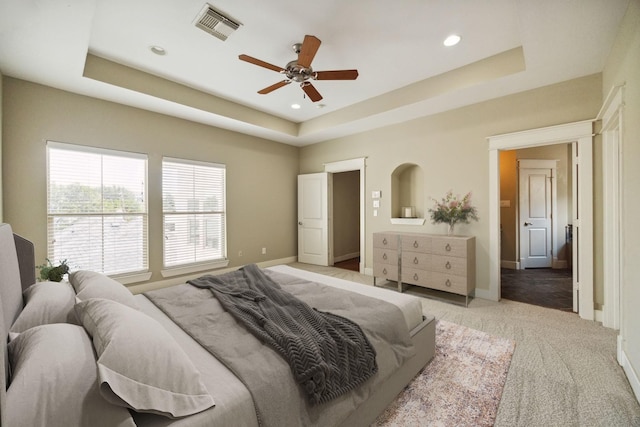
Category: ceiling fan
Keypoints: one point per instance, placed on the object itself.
(300, 71)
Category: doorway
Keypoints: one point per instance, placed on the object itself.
(580, 136)
(536, 210)
(346, 220)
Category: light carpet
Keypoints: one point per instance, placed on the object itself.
(462, 385)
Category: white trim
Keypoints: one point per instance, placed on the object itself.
(511, 265)
(559, 134)
(348, 166)
(192, 268)
(611, 114)
(126, 279)
(582, 132)
(632, 376)
(145, 287)
(407, 221)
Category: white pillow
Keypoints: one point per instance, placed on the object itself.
(55, 383)
(140, 366)
(90, 284)
(46, 302)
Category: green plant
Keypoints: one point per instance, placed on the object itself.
(53, 273)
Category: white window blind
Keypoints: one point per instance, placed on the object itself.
(97, 208)
(193, 204)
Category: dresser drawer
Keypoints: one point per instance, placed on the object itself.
(387, 271)
(449, 246)
(449, 265)
(449, 283)
(416, 243)
(416, 276)
(416, 260)
(385, 256)
(384, 240)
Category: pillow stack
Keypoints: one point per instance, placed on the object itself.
(139, 365)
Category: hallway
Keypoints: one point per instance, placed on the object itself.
(545, 287)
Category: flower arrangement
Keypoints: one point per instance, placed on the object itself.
(451, 209)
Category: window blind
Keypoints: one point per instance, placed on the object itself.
(193, 204)
(96, 208)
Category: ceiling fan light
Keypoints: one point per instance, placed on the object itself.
(296, 106)
(452, 40)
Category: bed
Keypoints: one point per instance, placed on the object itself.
(203, 390)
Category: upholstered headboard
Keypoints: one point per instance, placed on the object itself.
(16, 259)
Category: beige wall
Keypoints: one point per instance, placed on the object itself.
(261, 174)
(346, 214)
(452, 150)
(1, 119)
(623, 67)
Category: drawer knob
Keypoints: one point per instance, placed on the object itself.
(448, 265)
(415, 276)
(384, 271)
(415, 260)
(384, 241)
(415, 244)
(447, 247)
(384, 255)
(448, 283)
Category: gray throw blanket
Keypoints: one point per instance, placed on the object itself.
(329, 355)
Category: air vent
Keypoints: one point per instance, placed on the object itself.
(215, 23)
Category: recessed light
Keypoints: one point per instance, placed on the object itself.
(158, 50)
(295, 106)
(452, 40)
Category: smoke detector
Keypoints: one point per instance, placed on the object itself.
(215, 23)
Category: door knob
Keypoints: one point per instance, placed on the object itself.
(299, 222)
(528, 223)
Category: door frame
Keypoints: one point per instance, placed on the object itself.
(613, 239)
(581, 134)
(357, 164)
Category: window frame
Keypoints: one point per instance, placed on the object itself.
(132, 276)
(196, 266)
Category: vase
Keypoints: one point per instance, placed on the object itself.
(450, 228)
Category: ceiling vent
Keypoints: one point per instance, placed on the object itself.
(215, 23)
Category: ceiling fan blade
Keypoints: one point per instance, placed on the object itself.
(337, 75)
(311, 91)
(310, 46)
(273, 87)
(260, 63)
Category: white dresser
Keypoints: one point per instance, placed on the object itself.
(444, 263)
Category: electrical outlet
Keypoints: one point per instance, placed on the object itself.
(264, 251)
(240, 253)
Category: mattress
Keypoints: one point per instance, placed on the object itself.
(233, 402)
(410, 306)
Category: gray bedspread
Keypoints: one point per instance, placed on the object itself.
(329, 355)
(278, 399)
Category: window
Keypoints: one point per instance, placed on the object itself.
(193, 205)
(97, 208)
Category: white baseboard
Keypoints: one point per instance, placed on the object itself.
(145, 287)
(598, 314)
(346, 257)
(511, 265)
(631, 374)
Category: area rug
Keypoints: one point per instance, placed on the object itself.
(462, 386)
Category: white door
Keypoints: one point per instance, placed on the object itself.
(313, 218)
(535, 218)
